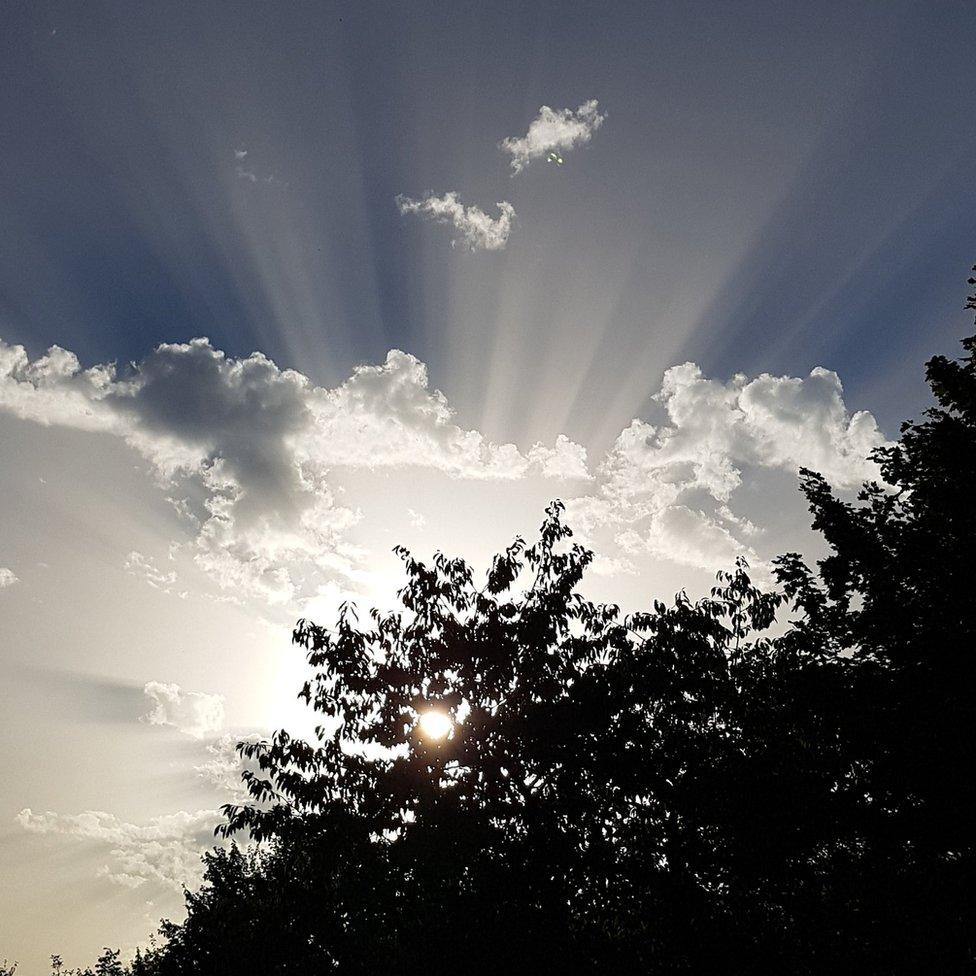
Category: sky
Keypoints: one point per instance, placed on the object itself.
(283, 285)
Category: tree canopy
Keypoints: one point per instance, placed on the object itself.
(680, 790)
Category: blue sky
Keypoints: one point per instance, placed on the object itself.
(739, 271)
(779, 185)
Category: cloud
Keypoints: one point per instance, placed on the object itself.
(689, 537)
(191, 712)
(553, 130)
(7, 577)
(54, 390)
(166, 851)
(565, 461)
(255, 455)
(259, 448)
(225, 766)
(144, 567)
(476, 230)
(667, 489)
(387, 416)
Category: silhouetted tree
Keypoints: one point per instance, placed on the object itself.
(673, 791)
(897, 594)
(109, 963)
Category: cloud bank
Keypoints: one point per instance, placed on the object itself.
(553, 130)
(166, 851)
(250, 453)
(475, 229)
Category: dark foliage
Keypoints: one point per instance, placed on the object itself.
(673, 791)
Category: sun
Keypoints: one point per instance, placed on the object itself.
(435, 724)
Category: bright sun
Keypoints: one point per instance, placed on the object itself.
(435, 725)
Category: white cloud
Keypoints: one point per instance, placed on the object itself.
(145, 567)
(166, 851)
(476, 230)
(265, 450)
(7, 577)
(260, 446)
(387, 416)
(611, 566)
(54, 390)
(566, 461)
(667, 490)
(224, 767)
(553, 130)
(688, 537)
(191, 712)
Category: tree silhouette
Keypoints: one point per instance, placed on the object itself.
(896, 593)
(674, 791)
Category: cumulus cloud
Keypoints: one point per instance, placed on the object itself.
(54, 389)
(166, 851)
(654, 483)
(387, 416)
(254, 454)
(191, 712)
(553, 130)
(260, 446)
(475, 229)
(7, 577)
(565, 461)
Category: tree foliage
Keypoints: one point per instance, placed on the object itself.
(679, 790)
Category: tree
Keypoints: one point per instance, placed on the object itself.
(109, 963)
(897, 594)
(574, 799)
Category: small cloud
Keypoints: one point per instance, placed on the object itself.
(250, 173)
(145, 567)
(476, 230)
(7, 578)
(612, 566)
(416, 519)
(192, 712)
(553, 130)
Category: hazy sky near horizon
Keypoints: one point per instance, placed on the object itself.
(285, 284)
